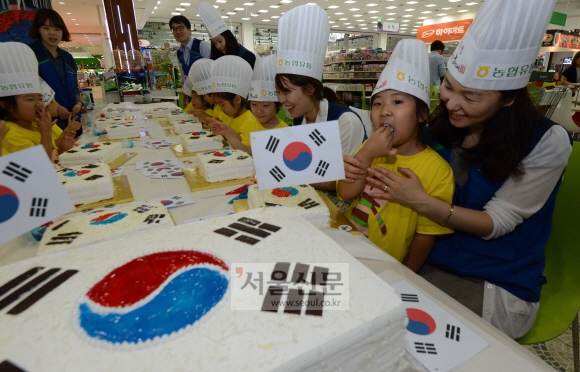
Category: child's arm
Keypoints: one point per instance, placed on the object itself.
(201, 115)
(224, 130)
(44, 126)
(3, 130)
(378, 145)
(73, 124)
(65, 141)
(419, 250)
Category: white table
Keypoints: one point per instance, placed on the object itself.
(502, 354)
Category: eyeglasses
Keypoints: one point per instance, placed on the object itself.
(179, 28)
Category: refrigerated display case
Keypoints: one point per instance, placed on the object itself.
(110, 87)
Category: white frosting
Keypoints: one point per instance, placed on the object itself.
(216, 166)
(314, 210)
(370, 336)
(201, 141)
(94, 152)
(87, 183)
(122, 130)
(179, 116)
(103, 123)
(186, 125)
(133, 222)
(121, 112)
(162, 112)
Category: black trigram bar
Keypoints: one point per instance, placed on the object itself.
(299, 274)
(409, 297)
(425, 348)
(28, 286)
(294, 301)
(93, 177)
(6, 366)
(272, 144)
(452, 332)
(249, 230)
(315, 303)
(272, 299)
(38, 207)
(308, 203)
(280, 272)
(277, 174)
(317, 137)
(18, 280)
(319, 275)
(17, 172)
(321, 168)
(154, 218)
(41, 292)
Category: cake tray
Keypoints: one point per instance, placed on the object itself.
(337, 218)
(180, 152)
(198, 183)
(105, 137)
(122, 160)
(122, 194)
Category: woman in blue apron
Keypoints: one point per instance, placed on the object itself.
(56, 66)
(507, 162)
(223, 41)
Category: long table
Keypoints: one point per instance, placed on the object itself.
(502, 354)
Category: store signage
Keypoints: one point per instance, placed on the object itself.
(558, 19)
(332, 38)
(387, 26)
(561, 39)
(447, 31)
(143, 43)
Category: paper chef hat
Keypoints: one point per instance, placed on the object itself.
(302, 41)
(47, 92)
(200, 75)
(212, 19)
(18, 70)
(187, 87)
(231, 74)
(500, 47)
(407, 70)
(263, 87)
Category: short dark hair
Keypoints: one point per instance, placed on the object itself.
(232, 46)
(10, 106)
(180, 19)
(437, 45)
(230, 97)
(55, 20)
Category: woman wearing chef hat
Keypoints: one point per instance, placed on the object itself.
(223, 42)
(302, 41)
(507, 162)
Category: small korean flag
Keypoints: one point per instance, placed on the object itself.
(297, 155)
(30, 192)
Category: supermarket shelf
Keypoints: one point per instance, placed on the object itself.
(358, 61)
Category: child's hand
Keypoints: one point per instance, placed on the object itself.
(67, 141)
(44, 123)
(3, 130)
(352, 168)
(380, 144)
(218, 127)
(202, 115)
(73, 124)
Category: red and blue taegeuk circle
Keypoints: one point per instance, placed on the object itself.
(297, 156)
(420, 322)
(8, 203)
(153, 296)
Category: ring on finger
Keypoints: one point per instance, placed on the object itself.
(385, 188)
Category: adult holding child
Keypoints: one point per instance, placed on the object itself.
(223, 41)
(56, 66)
(507, 161)
(302, 42)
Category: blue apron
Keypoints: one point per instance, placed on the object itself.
(64, 89)
(194, 55)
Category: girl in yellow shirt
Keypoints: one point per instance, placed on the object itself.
(263, 104)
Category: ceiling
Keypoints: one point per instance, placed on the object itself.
(82, 16)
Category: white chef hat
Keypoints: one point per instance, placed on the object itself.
(187, 86)
(302, 41)
(407, 70)
(231, 74)
(499, 49)
(200, 74)
(212, 19)
(18, 70)
(263, 87)
(47, 92)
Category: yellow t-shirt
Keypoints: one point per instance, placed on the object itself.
(189, 107)
(392, 226)
(242, 123)
(256, 127)
(19, 138)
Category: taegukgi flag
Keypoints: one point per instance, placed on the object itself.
(30, 192)
(297, 155)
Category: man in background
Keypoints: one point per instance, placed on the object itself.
(437, 68)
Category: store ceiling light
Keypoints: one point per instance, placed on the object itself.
(422, 17)
(275, 17)
(446, 8)
(175, 13)
(262, 11)
(391, 7)
(364, 28)
(339, 13)
(454, 1)
(225, 17)
(274, 6)
(372, 4)
(333, 7)
(185, 4)
(334, 26)
(249, 4)
(221, 1)
(407, 15)
(354, 9)
(471, 4)
(265, 20)
(286, 1)
(376, 11)
(442, 14)
(360, 20)
(215, 6)
(462, 11)
(426, 12)
(245, 19)
(343, 19)
(430, 5)
(231, 13)
(357, 15)
(406, 20)
(350, 2)
(253, 15)
(180, 9)
(238, 9)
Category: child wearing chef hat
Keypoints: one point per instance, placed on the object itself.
(507, 162)
(22, 106)
(399, 112)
